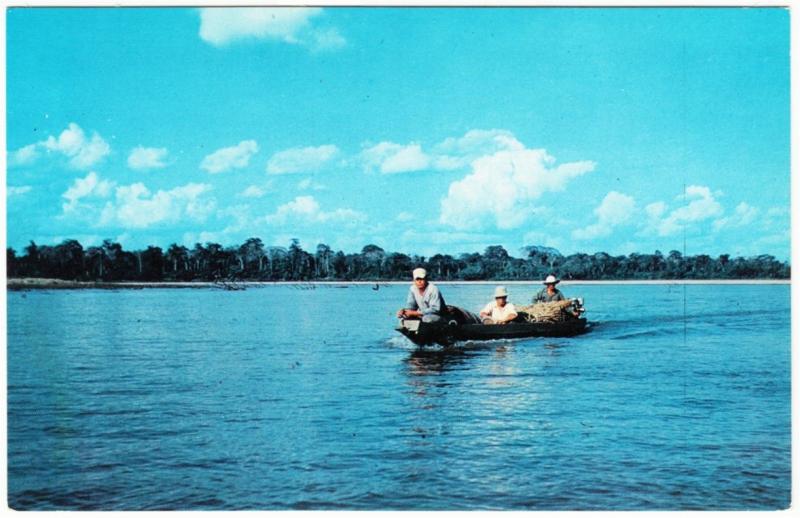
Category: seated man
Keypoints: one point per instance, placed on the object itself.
(549, 293)
(500, 311)
(424, 300)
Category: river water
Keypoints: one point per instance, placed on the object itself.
(288, 397)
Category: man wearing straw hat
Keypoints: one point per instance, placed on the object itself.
(549, 293)
(424, 300)
(500, 311)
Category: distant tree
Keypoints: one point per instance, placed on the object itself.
(373, 257)
(278, 263)
(251, 260)
(251, 256)
(399, 266)
(151, 264)
(69, 255)
(323, 259)
(12, 267)
(177, 257)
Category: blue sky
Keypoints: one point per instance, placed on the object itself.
(419, 130)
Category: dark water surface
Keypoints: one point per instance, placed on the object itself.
(287, 398)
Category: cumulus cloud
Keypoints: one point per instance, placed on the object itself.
(655, 210)
(502, 186)
(90, 186)
(305, 209)
(83, 152)
(301, 159)
(228, 158)
(254, 191)
(135, 206)
(388, 158)
(615, 209)
(23, 156)
(453, 153)
(700, 205)
(293, 25)
(450, 154)
(309, 183)
(743, 215)
(147, 157)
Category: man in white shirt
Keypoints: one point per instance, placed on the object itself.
(500, 311)
(424, 300)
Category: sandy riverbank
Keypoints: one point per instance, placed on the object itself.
(39, 283)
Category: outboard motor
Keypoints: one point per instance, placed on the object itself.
(577, 305)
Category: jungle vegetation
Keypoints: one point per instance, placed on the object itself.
(255, 261)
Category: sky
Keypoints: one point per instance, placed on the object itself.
(420, 130)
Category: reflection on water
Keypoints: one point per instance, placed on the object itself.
(427, 362)
(192, 399)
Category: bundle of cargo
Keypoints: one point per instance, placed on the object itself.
(550, 311)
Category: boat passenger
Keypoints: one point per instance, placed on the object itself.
(549, 293)
(500, 311)
(424, 300)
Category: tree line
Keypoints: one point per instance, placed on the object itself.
(255, 261)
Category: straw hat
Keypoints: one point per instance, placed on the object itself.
(551, 279)
(500, 291)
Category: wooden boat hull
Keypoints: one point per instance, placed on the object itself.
(422, 333)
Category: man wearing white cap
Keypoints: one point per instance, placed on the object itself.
(549, 293)
(500, 311)
(424, 300)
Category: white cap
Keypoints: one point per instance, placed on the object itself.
(420, 273)
(500, 291)
(551, 279)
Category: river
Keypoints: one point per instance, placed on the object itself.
(304, 397)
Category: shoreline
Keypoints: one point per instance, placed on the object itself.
(16, 284)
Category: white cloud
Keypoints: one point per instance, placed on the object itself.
(388, 157)
(615, 209)
(257, 190)
(701, 206)
(147, 157)
(450, 154)
(309, 183)
(82, 152)
(90, 186)
(404, 216)
(228, 158)
(253, 191)
(501, 187)
(656, 210)
(305, 210)
(743, 215)
(135, 206)
(775, 218)
(12, 191)
(301, 159)
(327, 39)
(23, 156)
(454, 153)
(293, 25)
